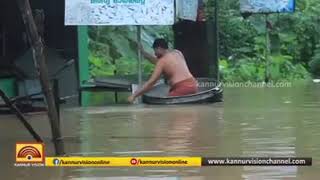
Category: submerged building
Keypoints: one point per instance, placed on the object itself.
(66, 47)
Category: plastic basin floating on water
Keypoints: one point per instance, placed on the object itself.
(210, 91)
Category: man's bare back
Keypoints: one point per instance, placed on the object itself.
(175, 67)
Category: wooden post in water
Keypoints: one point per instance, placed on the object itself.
(20, 116)
(267, 53)
(40, 63)
(139, 66)
(216, 37)
(139, 57)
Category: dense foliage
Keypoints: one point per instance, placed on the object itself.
(294, 44)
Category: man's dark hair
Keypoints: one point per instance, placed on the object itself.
(160, 42)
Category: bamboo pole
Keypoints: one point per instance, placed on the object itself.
(39, 61)
(17, 112)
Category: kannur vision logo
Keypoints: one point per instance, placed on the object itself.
(29, 153)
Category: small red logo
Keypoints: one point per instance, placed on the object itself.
(134, 161)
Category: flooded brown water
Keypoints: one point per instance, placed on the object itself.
(251, 122)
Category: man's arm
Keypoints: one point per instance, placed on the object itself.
(151, 82)
(147, 55)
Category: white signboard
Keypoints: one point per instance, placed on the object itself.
(187, 9)
(267, 6)
(119, 12)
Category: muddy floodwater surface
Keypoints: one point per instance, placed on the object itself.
(269, 122)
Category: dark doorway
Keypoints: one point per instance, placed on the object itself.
(192, 40)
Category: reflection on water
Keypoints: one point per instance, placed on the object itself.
(251, 122)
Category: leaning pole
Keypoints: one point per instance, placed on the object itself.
(40, 63)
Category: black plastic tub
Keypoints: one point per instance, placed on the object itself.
(210, 91)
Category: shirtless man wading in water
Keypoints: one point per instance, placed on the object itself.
(173, 65)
